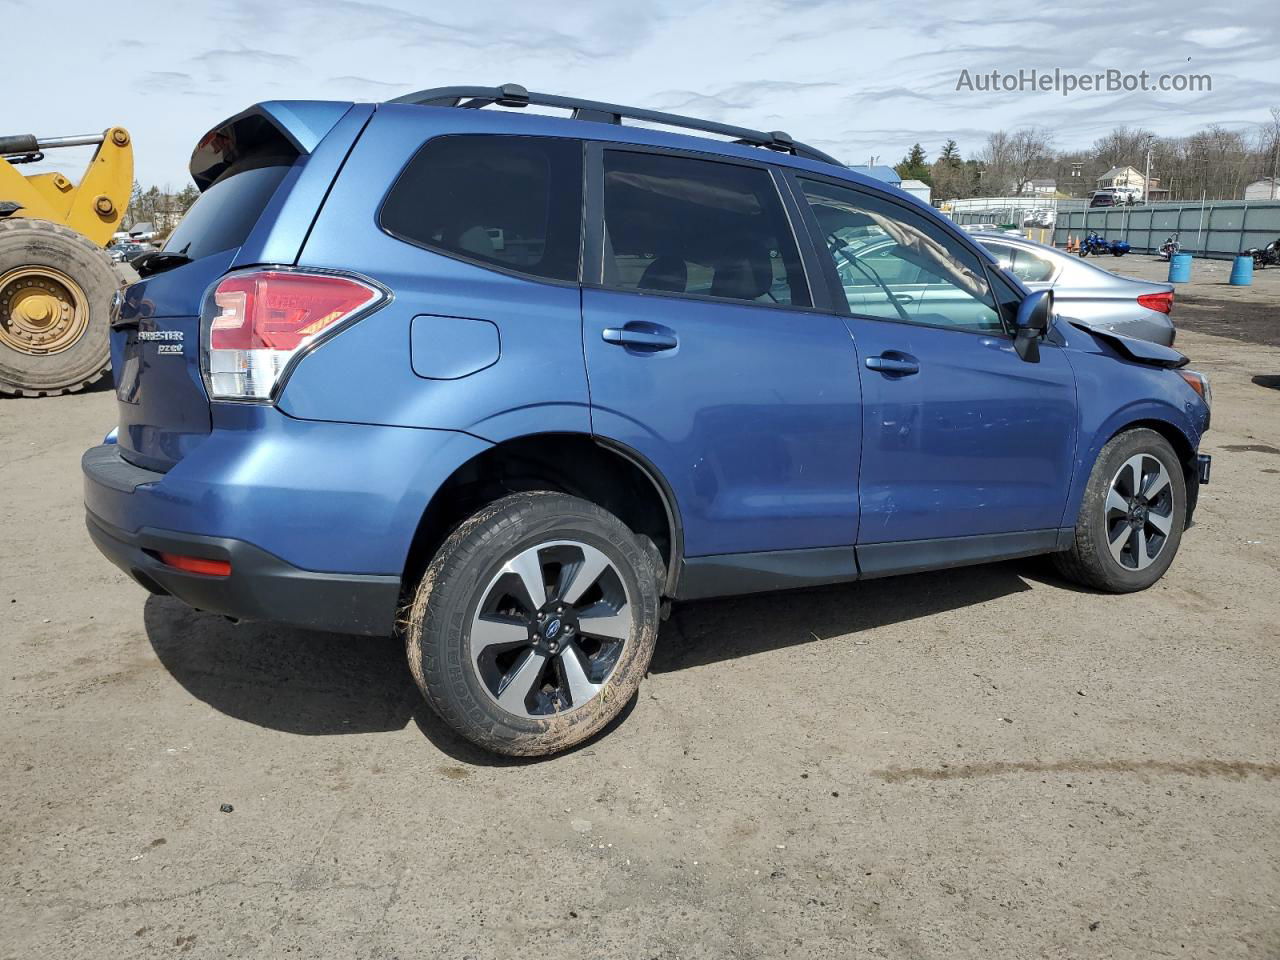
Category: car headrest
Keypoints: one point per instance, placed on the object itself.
(666, 273)
(744, 275)
(478, 241)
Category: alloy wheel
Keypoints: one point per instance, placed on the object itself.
(1139, 512)
(550, 628)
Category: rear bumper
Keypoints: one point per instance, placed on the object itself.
(261, 586)
(316, 518)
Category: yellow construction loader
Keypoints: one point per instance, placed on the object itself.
(56, 280)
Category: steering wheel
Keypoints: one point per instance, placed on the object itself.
(837, 246)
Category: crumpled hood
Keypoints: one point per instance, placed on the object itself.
(1140, 351)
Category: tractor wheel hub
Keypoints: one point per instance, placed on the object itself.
(42, 310)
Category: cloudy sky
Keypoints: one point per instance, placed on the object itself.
(856, 79)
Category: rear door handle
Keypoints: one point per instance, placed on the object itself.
(631, 337)
(903, 366)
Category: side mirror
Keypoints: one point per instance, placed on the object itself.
(1033, 318)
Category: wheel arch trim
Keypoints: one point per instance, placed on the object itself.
(669, 504)
(1174, 424)
(661, 488)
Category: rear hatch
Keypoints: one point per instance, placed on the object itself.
(245, 169)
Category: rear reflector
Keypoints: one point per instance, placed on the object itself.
(265, 317)
(1157, 301)
(210, 568)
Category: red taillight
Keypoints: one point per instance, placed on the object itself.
(265, 316)
(1157, 301)
(210, 568)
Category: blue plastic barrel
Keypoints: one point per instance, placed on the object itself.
(1242, 271)
(1180, 268)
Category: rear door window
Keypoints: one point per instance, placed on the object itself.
(502, 201)
(701, 227)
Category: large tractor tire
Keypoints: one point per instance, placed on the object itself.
(55, 304)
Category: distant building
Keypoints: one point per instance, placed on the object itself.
(1268, 188)
(1127, 184)
(918, 189)
(1040, 188)
(1122, 178)
(879, 171)
(1155, 192)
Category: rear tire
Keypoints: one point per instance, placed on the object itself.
(1131, 518)
(534, 623)
(37, 254)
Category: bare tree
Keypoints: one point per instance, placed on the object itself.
(995, 158)
(1215, 162)
(1273, 149)
(1030, 153)
(1122, 147)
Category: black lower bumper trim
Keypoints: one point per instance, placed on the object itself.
(261, 585)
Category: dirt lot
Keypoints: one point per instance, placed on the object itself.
(979, 763)
(1209, 304)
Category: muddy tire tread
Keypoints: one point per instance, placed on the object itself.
(431, 616)
(1084, 562)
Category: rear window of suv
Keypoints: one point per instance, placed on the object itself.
(239, 166)
(504, 201)
(226, 212)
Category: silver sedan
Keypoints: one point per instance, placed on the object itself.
(1081, 291)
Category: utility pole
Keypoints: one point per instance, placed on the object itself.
(1146, 177)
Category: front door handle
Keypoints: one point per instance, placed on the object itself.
(901, 365)
(630, 336)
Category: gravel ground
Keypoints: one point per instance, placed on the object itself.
(979, 763)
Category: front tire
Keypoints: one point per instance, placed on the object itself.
(1132, 515)
(534, 623)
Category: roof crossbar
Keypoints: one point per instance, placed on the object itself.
(514, 95)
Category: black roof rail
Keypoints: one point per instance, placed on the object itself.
(514, 95)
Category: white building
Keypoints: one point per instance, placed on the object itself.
(1040, 188)
(1268, 188)
(1122, 178)
(917, 188)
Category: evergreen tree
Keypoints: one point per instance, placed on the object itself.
(949, 178)
(914, 166)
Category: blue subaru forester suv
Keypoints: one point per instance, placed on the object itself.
(508, 383)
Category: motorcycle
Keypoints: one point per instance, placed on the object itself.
(1095, 244)
(1170, 247)
(1267, 256)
